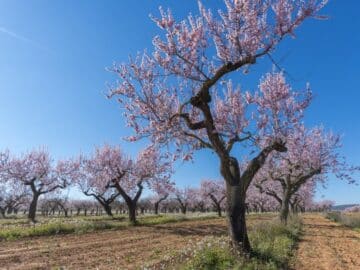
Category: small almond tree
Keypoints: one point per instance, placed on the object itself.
(37, 172)
(150, 168)
(94, 179)
(311, 155)
(214, 191)
(185, 197)
(12, 196)
(162, 192)
(110, 173)
(259, 201)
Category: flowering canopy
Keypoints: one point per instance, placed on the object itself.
(163, 93)
(213, 191)
(37, 170)
(109, 165)
(312, 153)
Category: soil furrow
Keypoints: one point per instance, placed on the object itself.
(327, 245)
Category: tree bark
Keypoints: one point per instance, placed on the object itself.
(33, 207)
(236, 210)
(216, 203)
(132, 212)
(107, 208)
(131, 203)
(218, 208)
(284, 210)
(156, 208)
(156, 205)
(2, 212)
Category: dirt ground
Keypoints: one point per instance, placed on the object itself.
(327, 245)
(128, 248)
(324, 245)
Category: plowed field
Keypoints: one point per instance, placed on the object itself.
(327, 245)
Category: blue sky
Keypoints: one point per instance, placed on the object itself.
(53, 56)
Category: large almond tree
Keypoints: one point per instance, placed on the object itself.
(181, 93)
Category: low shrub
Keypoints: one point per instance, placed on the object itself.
(351, 220)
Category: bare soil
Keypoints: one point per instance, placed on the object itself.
(324, 245)
(128, 248)
(327, 245)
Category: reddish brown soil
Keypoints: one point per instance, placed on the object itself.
(122, 249)
(327, 245)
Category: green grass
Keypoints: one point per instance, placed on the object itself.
(16, 229)
(55, 228)
(351, 220)
(272, 244)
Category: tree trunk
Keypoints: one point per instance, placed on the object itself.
(10, 210)
(33, 207)
(183, 210)
(219, 210)
(284, 210)
(107, 209)
(2, 212)
(236, 209)
(156, 208)
(132, 212)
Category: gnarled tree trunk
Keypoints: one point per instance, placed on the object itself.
(33, 207)
(216, 203)
(2, 212)
(107, 208)
(284, 210)
(156, 208)
(132, 211)
(236, 210)
(131, 203)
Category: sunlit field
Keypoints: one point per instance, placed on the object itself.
(181, 237)
(179, 135)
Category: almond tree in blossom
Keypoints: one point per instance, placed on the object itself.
(174, 94)
(98, 172)
(302, 200)
(162, 192)
(311, 155)
(12, 196)
(185, 198)
(110, 173)
(353, 209)
(214, 191)
(38, 173)
(259, 201)
(157, 199)
(321, 206)
(198, 203)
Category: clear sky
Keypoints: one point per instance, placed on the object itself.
(53, 56)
